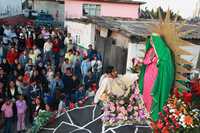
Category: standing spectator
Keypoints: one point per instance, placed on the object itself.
(30, 36)
(3, 52)
(21, 113)
(12, 55)
(50, 74)
(89, 79)
(91, 52)
(12, 92)
(37, 106)
(34, 91)
(20, 69)
(77, 69)
(2, 93)
(5, 67)
(96, 65)
(77, 57)
(29, 66)
(55, 84)
(7, 110)
(85, 66)
(66, 64)
(32, 56)
(47, 50)
(21, 43)
(23, 58)
(70, 56)
(36, 51)
(68, 82)
(61, 105)
(67, 41)
(56, 50)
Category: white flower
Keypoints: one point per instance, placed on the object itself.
(182, 118)
(184, 125)
(172, 110)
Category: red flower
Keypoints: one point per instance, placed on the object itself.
(165, 130)
(159, 124)
(165, 108)
(176, 92)
(195, 86)
(71, 105)
(166, 119)
(153, 125)
(187, 97)
(160, 114)
(177, 125)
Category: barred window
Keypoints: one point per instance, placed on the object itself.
(91, 10)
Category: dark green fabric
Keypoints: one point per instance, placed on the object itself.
(165, 78)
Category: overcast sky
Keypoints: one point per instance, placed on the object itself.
(186, 8)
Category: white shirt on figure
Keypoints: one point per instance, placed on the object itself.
(47, 47)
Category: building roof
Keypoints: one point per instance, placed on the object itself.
(137, 28)
(115, 1)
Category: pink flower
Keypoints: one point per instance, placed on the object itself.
(130, 108)
(112, 119)
(135, 114)
(135, 108)
(120, 116)
(141, 114)
(105, 118)
(132, 97)
(165, 108)
(123, 110)
(121, 102)
(112, 108)
(118, 108)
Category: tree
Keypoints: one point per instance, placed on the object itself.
(154, 14)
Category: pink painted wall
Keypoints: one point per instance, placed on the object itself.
(73, 9)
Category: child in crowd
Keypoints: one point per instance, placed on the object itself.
(21, 113)
(7, 110)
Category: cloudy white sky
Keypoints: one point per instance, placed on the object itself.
(186, 8)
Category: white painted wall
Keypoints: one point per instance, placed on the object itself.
(10, 8)
(51, 8)
(194, 49)
(86, 32)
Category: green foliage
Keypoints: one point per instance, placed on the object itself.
(41, 120)
(154, 14)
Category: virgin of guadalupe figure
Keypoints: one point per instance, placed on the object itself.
(157, 75)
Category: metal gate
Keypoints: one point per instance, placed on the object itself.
(112, 54)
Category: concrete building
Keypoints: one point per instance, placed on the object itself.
(119, 40)
(111, 8)
(10, 8)
(83, 34)
(53, 7)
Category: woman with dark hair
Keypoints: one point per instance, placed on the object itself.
(12, 93)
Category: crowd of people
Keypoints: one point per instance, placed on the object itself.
(42, 68)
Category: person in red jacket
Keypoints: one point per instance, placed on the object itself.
(12, 55)
(56, 50)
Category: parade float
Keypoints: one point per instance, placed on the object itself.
(174, 106)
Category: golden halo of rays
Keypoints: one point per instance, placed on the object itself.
(171, 32)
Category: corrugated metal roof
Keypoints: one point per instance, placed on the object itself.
(139, 28)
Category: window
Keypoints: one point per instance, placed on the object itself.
(91, 10)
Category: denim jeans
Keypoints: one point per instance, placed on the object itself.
(8, 125)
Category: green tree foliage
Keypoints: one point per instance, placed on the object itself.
(154, 14)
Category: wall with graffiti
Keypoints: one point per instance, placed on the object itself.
(10, 8)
